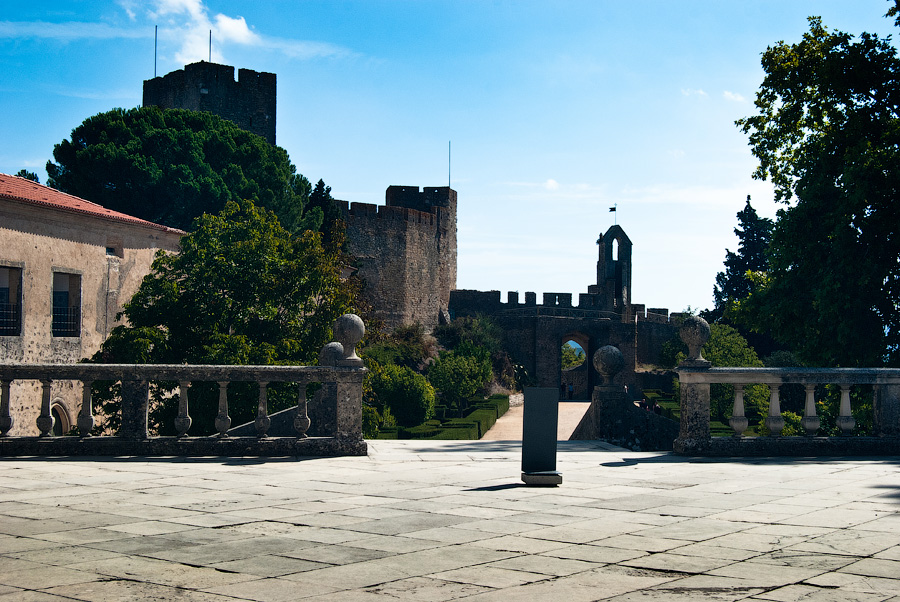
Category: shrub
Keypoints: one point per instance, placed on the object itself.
(408, 396)
(407, 346)
(371, 422)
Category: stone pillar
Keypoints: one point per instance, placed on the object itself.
(348, 331)
(324, 405)
(349, 410)
(887, 410)
(693, 434)
(135, 405)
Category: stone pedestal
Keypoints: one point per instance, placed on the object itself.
(887, 410)
(135, 405)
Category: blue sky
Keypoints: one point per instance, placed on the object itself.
(556, 111)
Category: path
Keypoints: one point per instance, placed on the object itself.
(509, 426)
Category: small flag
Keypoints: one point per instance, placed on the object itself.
(612, 209)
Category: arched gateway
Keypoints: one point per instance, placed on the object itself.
(535, 333)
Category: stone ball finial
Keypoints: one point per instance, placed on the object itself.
(331, 354)
(694, 332)
(608, 361)
(348, 331)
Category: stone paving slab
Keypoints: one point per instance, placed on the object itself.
(437, 521)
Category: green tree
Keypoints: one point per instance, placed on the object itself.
(320, 199)
(242, 291)
(28, 175)
(571, 357)
(754, 234)
(170, 166)
(827, 135)
(458, 376)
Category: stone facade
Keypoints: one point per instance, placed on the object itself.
(534, 333)
(66, 267)
(249, 102)
(406, 252)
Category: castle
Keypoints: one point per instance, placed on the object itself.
(249, 102)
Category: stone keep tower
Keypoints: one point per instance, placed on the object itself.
(249, 102)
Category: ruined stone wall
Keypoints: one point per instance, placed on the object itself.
(249, 102)
(110, 260)
(406, 253)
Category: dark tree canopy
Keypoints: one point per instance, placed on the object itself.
(170, 166)
(321, 197)
(28, 175)
(827, 134)
(754, 234)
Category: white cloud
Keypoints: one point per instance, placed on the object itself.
(66, 31)
(551, 185)
(733, 96)
(190, 22)
(693, 92)
(184, 23)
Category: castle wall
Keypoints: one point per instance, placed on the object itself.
(249, 102)
(406, 253)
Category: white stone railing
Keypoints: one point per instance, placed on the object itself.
(339, 406)
(696, 375)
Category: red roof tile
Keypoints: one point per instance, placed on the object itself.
(25, 191)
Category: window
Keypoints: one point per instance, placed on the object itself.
(10, 302)
(66, 305)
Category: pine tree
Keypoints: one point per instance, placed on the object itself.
(754, 234)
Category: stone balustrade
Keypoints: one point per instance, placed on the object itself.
(339, 402)
(696, 375)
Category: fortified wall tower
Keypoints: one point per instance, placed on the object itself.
(249, 102)
(406, 251)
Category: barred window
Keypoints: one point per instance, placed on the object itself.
(66, 305)
(10, 302)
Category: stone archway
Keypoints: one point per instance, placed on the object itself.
(574, 376)
(62, 423)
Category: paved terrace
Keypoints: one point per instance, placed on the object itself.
(450, 520)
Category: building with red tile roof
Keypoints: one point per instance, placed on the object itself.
(66, 267)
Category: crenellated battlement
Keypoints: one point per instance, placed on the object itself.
(386, 213)
(471, 302)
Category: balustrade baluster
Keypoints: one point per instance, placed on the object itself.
(738, 421)
(44, 422)
(262, 413)
(223, 420)
(845, 420)
(774, 421)
(810, 421)
(6, 419)
(86, 415)
(183, 421)
(301, 420)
